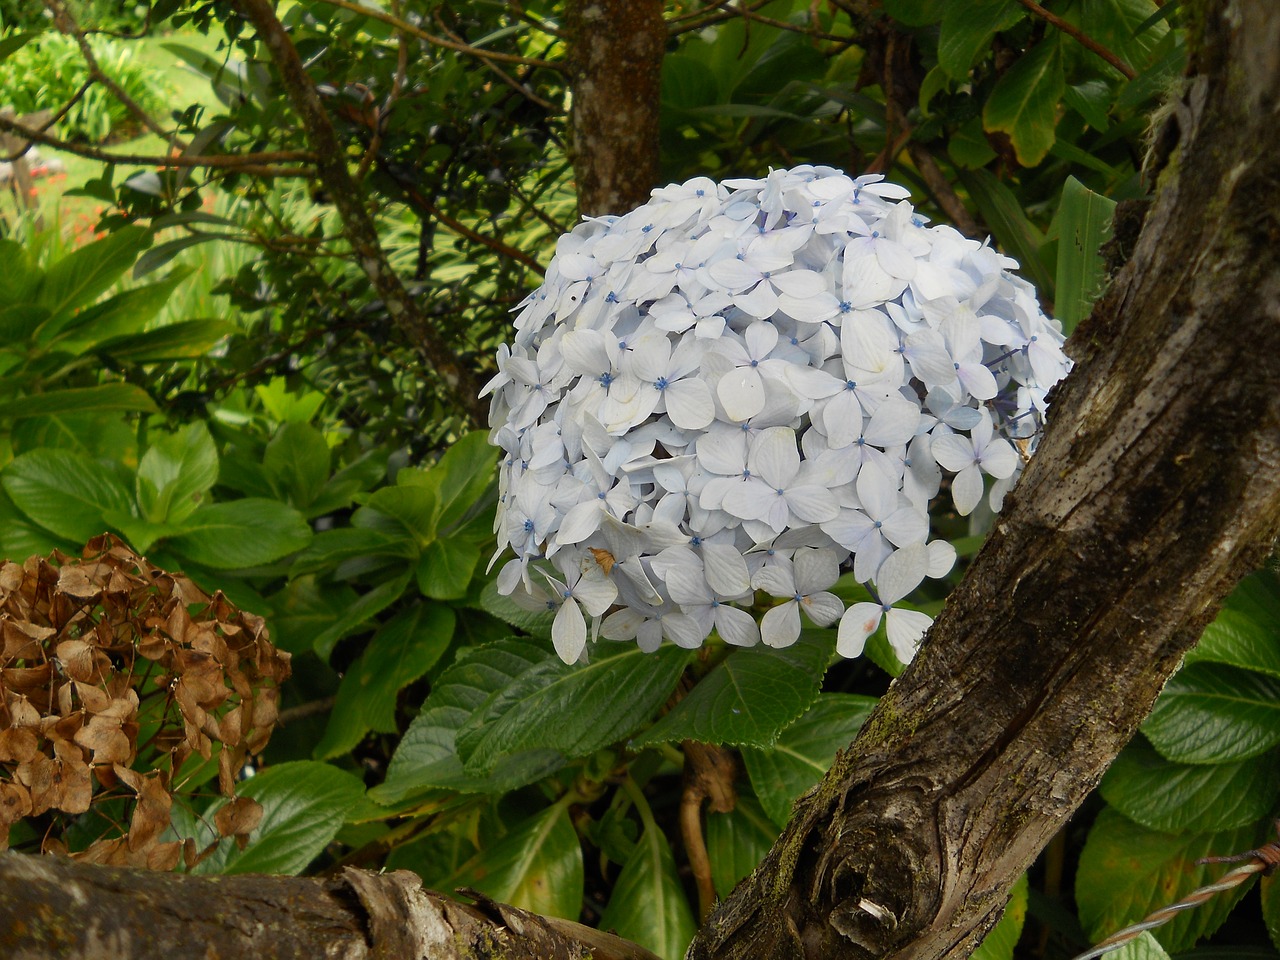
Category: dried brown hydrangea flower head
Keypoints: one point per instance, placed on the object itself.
(122, 687)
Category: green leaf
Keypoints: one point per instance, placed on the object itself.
(536, 623)
(304, 609)
(369, 605)
(410, 508)
(1210, 713)
(14, 42)
(175, 341)
(969, 148)
(648, 905)
(241, 533)
(1174, 797)
(1004, 215)
(18, 322)
(1127, 871)
(737, 841)
(331, 547)
(916, 13)
(998, 944)
(427, 755)
(573, 709)
(303, 806)
(804, 751)
(65, 492)
(175, 473)
(1239, 637)
(108, 396)
(125, 314)
(750, 697)
(537, 867)
(1146, 947)
(1092, 100)
(1024, 103)
(20, 538)
(1115, 24)
(84, 275)
(1084, 225)
(445, 568)
(462, 476)
(1271, 908)
(404, 649)
(298, 459)
(967, 29)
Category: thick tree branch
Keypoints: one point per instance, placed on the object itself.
(360, 229)
(1156, 488)
(54, 907)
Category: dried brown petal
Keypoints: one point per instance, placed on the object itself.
(83, 581)
(82, 661)
(18, 745)
(15, 803)
(150, 815)
(238, 817)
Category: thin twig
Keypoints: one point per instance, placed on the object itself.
(943, 193)
(517, 10)
(493, 243)
(518, 86)
(304, 710)
(442, 41)
(1080, 37)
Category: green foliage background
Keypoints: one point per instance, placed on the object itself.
(258, 420)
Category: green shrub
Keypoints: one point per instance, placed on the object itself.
(46, 73)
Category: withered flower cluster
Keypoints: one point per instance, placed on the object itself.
(122, 682)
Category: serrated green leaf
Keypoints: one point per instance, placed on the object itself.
(1172, 797)
(462, 475)
(297, 459)
(304, 804)
(427, 755)
(241, 533)
(737, 841)
(750, 697)
(1146, 947)
(967, 28)
(445, 568)
(1209, 713)
(411, 508)
(1084, 225)
(365, 608)
(402, 650)
(1127, 871)
(804, 751)
(175, 473)
(108, 396)
(998, 944)
(65, 492)
(304, 609)
(537, 867)
(1240, 639)
(573, 709)
(648, 905)
(1024, 102)
(536, 623)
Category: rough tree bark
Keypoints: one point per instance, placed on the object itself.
(615, 60)
(1156, 487)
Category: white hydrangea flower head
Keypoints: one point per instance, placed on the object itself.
(740, 388)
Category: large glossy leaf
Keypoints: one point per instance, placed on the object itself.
(1127, 871)
(804, 751)
(1024, 102)
(1084, 224)
(21, 538)
(65, 492)
(573, 709)
(124, 314)
(405, 648)
(331, 547)
(174, 341)
(536, 623)
(108, 396)
(407, 508)
(175, 473)
(1242, 638)
(1173, 797)
(1209, 713)
(737, 841)
(999, 943)
(537, 866)
(445, 568)
(648, 905)
(241, 533)
(751, 696)
(303, 806)
(304, 609)
(459, 478)
(298, 459)
(427, 755)
(369, 605)
(967, 28)
(85, 274)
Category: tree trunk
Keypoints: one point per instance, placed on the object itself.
(615, 58)
(1157, 486)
